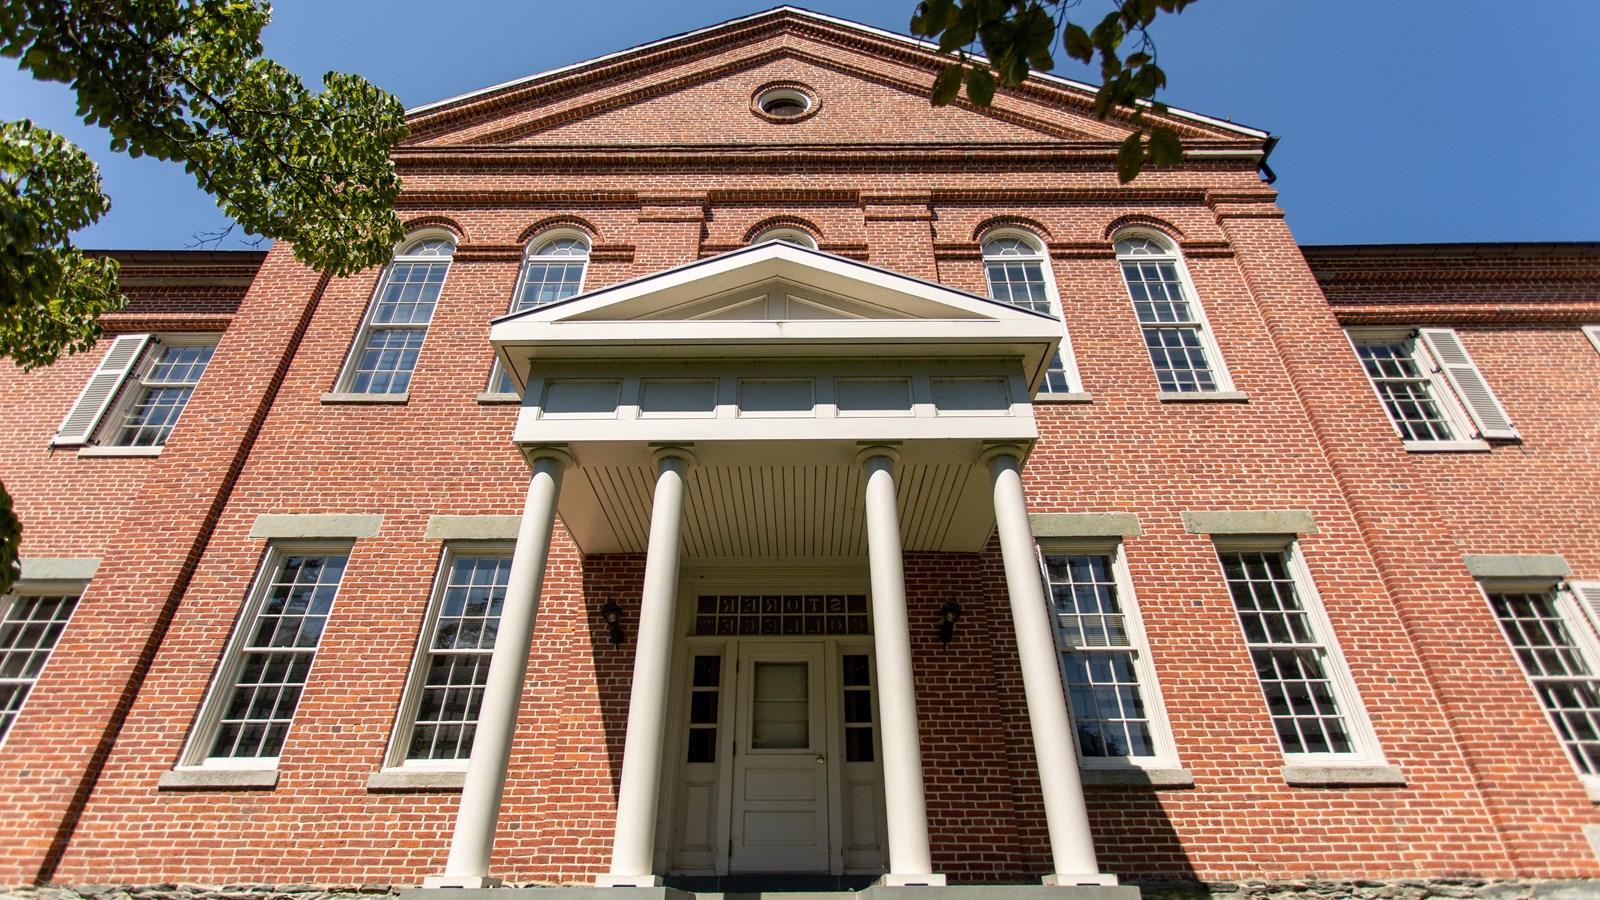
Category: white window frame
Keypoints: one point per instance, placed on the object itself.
(347, 374)
(530, 256)
(1208, 334)
(134, 389)
(405, 721)
(1166, 751)
(1041, 255)
(38, 589)
(1444, 396)
(223, 680)
(1366, 751)
(1581, 623)
(1592, 332)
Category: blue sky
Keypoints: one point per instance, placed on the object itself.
(1465, 120)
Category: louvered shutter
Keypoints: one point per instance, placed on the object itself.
(1593, 331)
(1468, 382)
(1588, 594)
(101, 390)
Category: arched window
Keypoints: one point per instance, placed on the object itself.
(787, 235)
(397, 320)
(1018, 274)
(1181, 346)
(552, 271)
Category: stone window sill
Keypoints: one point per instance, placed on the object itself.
(1155, 777)
(1074, 397)
(218, 780)
(417, 780)
(338, 397)
(1344, 776)
(120, 451)
(1203, 397)
(488, 397)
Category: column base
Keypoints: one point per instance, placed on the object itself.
(460, 881)
(892, 880)
(1080, 881)
(633, 881)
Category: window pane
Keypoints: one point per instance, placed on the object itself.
(1102, 683)
(457, 664)
(1405, 389)
(780, 711)
(161, 395)
(1562, 676)
(276, 658)
(1020, 281)
(1290, 660)
(28, 632)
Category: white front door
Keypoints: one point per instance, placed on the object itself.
(780, 772)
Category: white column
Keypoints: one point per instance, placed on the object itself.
(476, 818)
(909, 860)
(633, 842)
(1066, 817)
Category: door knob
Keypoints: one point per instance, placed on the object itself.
(820, 757)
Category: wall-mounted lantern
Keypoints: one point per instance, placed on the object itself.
(612, 613)
(948, 614)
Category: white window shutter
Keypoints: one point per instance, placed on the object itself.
(1593, 331)
(1588, 594)
(101, 390)
(1469, 384)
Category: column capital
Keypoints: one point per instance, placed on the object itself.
(890, 450)
(558, 452)
(685, 452)
(995, 451)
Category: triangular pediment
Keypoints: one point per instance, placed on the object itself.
(775, 282)
(870, 88)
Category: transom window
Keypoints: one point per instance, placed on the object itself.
(1175, 332)
(272, 654)
(1559, 663)
(1105, 665)
(1018, 274)
(30, 626)
(1313, 706)
(398, 319)
(787, 235)
(440, 717)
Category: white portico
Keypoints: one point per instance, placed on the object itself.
(810, 413)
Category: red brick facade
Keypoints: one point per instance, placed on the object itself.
(656, 155)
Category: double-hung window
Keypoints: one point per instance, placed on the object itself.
(1555, 643)
(439, 715)
(1018, 273)
(258, 687)
(138, 391)
(1434, 394)
(1315, 710)
(552, 271)
(31, 623)
(1180, 343)
(1111, 687)
(385, 353)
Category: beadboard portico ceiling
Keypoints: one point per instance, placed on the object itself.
(776, 363)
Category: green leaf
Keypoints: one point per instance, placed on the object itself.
(1077, 42)
(1166, 148)
(1130, 158)
(947, 86)
(980, 86)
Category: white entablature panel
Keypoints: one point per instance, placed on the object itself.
(769, 400)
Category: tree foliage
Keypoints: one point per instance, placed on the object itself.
(183, 81)
(1019, 36)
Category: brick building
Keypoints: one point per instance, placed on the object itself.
(864, 463)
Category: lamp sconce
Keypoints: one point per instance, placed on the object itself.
(612, 613)
(948, 614)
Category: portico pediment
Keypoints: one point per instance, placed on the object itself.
(774, 300)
